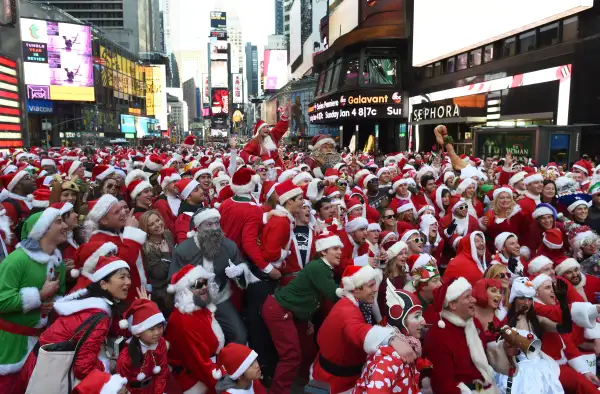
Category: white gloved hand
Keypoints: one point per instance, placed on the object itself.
(233, 271)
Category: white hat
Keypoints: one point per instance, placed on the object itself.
(502, 190)
(395, 249)
(326, 240)
(518, 177)
(540, 279)
(356, 224)
(521, 287)
(566, 265)
(501, 240)
(536, 264)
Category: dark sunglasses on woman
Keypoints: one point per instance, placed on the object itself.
(389, 217)
(503, 275)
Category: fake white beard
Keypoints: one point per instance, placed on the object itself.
(268, 144)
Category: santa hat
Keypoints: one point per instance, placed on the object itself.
(416, 261)
(553, 238)
(141, 315)
(38, 224)
(536, 264)
(448, 175)
(352, 204)
(136, 187)
(584, 166)
(464, 185)
(501, 239)
(186, 187)
(189, 140)
(340, 165)
(286, 191)
(87, 255)
(503, 189)
(101, 171)
(302, 177)
(41, 198)
(449, 291)
(267, 160)
(70, 167)
(566, 265)
(244, 180)
(154, 163)
(399, 180)
(355, 277)
(135, 174)
(425, 208)
(356, 224)
(374, 227)
(235, 359)
(168, 175)
(518, 177)
(540, 279)
(396, 249)
(260, 124)
(521, 287)
(98, 208)
(320, 140)
(332, 175)
(536, 177)
(287, 174)
(400, 304)
(327, 239)
(544, 209)
(405, 205)
(106, 266)
(365, 179)
(202, 215)
(332, 192)
(267, 189)
(10, 180)
(48, 162)
(216, 165)
(98, 382)
(186, 277)
(407, 234)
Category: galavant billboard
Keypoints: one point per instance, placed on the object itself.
(386, 104)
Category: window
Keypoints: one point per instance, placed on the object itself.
(475, 57)
(461, 61)
(527, 41)
(450, 65)
(327, 84)
(429, 71)
(509, 47)
(321, 82)
(488, 53)
(350, 69)
(379, 70)
(549, 35)
(336, 75)
(570, 29)
(437, 69)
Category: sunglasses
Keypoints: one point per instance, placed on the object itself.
(199, 284)
(504, 275)
(111, 185)
(342, 184)
(389, 217)
(261, 170)
(417, 240)
(462, 207)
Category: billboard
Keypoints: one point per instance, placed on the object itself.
(219, 75)
(238, 89)
(124, 76)
(127, 124)
(156, 93)
(220, 102)
(492, 21)
(218, 20)
(218, 50)
(275, 69)
(10, 102)
(205, 89)
(57, 60)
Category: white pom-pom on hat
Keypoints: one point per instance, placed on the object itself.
(123, 324)
(141, 376)
(441, 323)
(339, 292)
(156, 370)
(75, 273)
(217, 374)
(171, 289)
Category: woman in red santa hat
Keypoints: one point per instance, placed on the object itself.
(86, 259)
(395, 271)
(441, 199)
(144, 361)
(488, 295)
(504, 216)
(467, 189)
(241, 371)
(140, 193)
(265, 141)
(97, 382)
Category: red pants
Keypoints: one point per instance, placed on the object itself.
(575, 383)
(11, 384)
(289, 340)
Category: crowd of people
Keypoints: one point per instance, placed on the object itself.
(196, 269)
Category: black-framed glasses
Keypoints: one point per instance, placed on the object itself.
(504, 275)
(199, 284)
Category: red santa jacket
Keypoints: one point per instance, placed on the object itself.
(195, 339)
(396, 201)
(151, 359)
(528, 204)
(242, 222)
(496, 225)
(294, 262)
(532, 234)
(462, 230)
(168, 207)
(253, 147)
(352, 254)
(466, 263)
(15, 215)
(276, 237)
(588, 287)
(345, 340)
(129, 245)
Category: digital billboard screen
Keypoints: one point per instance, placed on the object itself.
(275, 69)
(218, 74)
(218, 20)
(57, 60)
(220, 102)
(238, 94)
(218, 50)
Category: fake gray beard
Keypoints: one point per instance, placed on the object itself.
(200, 303)
(327, 159)
(210, 243)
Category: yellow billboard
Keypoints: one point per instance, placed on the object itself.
(149, 91)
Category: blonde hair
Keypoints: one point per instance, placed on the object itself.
(491, 273)
(496, 205)
(145, 218)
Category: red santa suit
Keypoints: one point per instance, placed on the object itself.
(168, 207)
(86, 258)
(153, 357)
(352, 253)
(496, 225)
(528, 203)
(587, 287)
(253, 149)
(276, 237)
(194, 335)
(464, 227)
(467, 264)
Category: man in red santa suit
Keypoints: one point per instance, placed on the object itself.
(195, 337)
(265, 141)
(467, 190)
(356, 248)
(168, 203)
(470, 263)
(508, 253)
(454, 346)
(587, 286)
(458, 223)
(348, 336)
(531, 198)
(109, 221)
(192, 198)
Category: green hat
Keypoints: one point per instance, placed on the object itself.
(36, 225)
(594, 189)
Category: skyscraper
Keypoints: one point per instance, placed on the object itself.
(234, 36)
(252, 69)
(279, 11)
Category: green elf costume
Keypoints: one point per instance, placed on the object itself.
(22, 275)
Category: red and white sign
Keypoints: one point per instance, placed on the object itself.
(238, 89)
(220, 102)
(10, 107)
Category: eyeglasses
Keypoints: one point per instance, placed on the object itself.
(342, 184)
(417, 240)
(504, 275)
(261, 170)
(199, 284)
(462, 207)
(111, 185)
(389, 217)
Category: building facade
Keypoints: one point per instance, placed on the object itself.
(252, 69)
(279, 10)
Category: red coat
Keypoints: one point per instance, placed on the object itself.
(129, 245)
(588, 287)
(528, 204)
(195, 339)
(294, 263)
(464, 264)
(495, 226)
(182, 226)
(253, 147)
(352, 254)
(168, 211)
(275, 239)
(14, 217)
(151, 359)
(242, 222)
(452, 240)
(345, 339)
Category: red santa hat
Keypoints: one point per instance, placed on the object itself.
(448, 292)
(358, 223)
(98, 382)
(259, 126)
(41, 198)
(332, 175)
(332, 192)
(98, 208)
(320, 140)
(267, 189)
(352, 204)
(382, 170)
(535, 177)
(464, 185)
(365, 179)
(287, 190)
(518, 177)
(416, 261)
(101, 171)
(168, 175)
(355, 277)
(399, 180)
(504, 189)
(566, 265)
(553, 238)
(87, 255)
(185, 278)
(70, 167)
(189, 140)
(583, 166)
(186, 187)
(537, 264)
(267, 160)
(406, 205)
(154, 163)
(48, 162)
(235, 359)
(136, 187)
(10, 180)
(244, 180)
(302, 177)
(216, 166)
(47, 217)
(106, 266)
(141, 315)
(396, 249)
(134, 175)
(327, 239)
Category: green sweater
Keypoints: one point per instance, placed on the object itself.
(21, 278)
(303, 294)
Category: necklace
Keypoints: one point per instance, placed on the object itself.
(370, 195)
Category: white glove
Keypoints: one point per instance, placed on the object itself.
(233, 271)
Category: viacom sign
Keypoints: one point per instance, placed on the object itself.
(40, 107)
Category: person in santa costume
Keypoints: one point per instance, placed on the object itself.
(531, 198)
(86, 259)
(16, 202)
(302, 247)
(323, 155)
(140, 193)
(488, 296)
(288, 312)
(470, 263)
(143, 362)
(467, 190)
(505, 215)
(168, 202)
(434, 243)
(204, 178)
(457, 224)
(400, 191)
(385, 371)
(552, 246)
(109, 221)
(31, 277)
(545, 218)
(241, 371)
(348, 335)
(194, 335)
(192, 198)
(265, 141)
(587, 286)
(100, 300)
(508, 253)
(356, 248)
(97, 382)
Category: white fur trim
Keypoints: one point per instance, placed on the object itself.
(584, 314)
(101, 207)
(357, 224)
(185, 193)
(592, 333)
(581, 168)
(133, 175)
(147, 324)
(456, 289)
(168, 180)
(152, 166)
(322, 142)
(114, 385)
(362, 276)
(550, 244)
(75, 273)
(202, 171)
(464, 389)
(580, 364)
(16, 179)
(536, 264)
(156, 370)
(68, 306)
(244, 365)
(134, 234)
(198, 388)
(205, 215)
(540, 279)
(40, 203)
(262, 126)
(108, 269)
(542, 211)
(48, 162)
(269, 161)
(140, 376)
(533, 178)
(329, 242)
(89, 265)
(577, 203)
(247, 188)
(566, 265)
(375, 337)
(43, 224)
(143, 185)
(104, 174)
(312, 191)
(188, 279)
(30, 298)
(76, 164)
(289, 195)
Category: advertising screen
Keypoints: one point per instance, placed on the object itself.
(220, 102)
(218, 20)
(433, 39)
(57, 60)
(205, 89)
(295, 44)
(238, 89)
(127, 124)
(275, 69)
(218, 74)
(218, 50)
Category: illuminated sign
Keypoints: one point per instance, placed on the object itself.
(10, 103)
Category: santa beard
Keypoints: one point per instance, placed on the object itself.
(210, 242)
(268, 144)
(327, 160)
